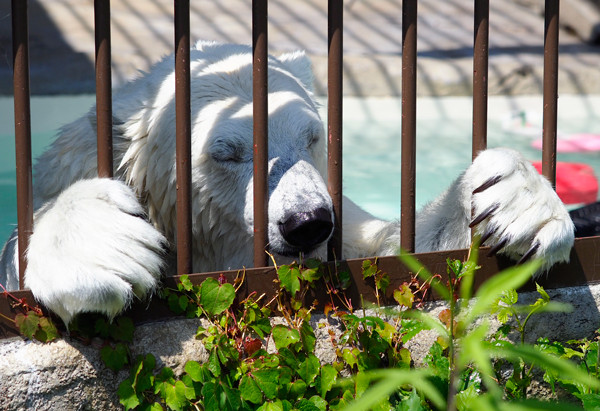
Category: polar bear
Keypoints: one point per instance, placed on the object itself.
(99, 243)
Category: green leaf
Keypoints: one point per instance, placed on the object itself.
(493, 288)
(345, 279)
(542, 292)
(429, 322)
(261, 327)
(297, 389)
(563, 367)
(127, 395)
(175, 395)
(213, 363)
(307, 335)
(284, 336)
(404, 296)
(382, 281)
(47, 331)
(194, 370)
(412, 403)
(211, 395)
(309, 369)
(28, 324)
(306, 405)
(173, 302)
(465, 398)
(311, 274)
(289, 277)
(474, 350)
(504, 315)
(589, 401)
(231, 398)
(122, 329)
(350, 356)
(272, 406)
(183, 302)
(267, 381)
(368, 269)
(509, 297)
(250, 391)
(328, 378)
(410, 328)
(319, 402)
(214, 297)
(390, 380)
(185, 282)
(115, 358)
(288, 358)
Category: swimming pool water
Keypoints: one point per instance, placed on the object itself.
(371, 133)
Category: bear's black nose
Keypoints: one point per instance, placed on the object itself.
(307, 229)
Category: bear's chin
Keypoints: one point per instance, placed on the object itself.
(290, 252)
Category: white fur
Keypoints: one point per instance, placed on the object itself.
(91, 251)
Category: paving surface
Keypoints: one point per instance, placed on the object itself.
(62, 43)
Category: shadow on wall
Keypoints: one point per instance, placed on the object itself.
(53, 62)
(62, 44)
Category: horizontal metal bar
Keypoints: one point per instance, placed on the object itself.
(580, 271)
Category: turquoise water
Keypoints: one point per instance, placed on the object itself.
(371, 145)
(47, 115)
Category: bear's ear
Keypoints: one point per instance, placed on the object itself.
(299, 65)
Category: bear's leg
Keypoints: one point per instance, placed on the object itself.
(92, 250)
(511, 206)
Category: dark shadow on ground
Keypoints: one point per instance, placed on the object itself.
(53, 62)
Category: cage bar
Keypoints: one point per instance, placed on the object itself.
(480, 75)
(550, 90)
(261, 130)
(20, 43)
(183, 132)
(409, 124)
(334, 122)
(103, 88)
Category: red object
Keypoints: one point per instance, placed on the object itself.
(575, 182)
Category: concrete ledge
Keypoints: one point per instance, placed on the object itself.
(69, 375)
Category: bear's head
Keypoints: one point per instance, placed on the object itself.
(300, 208)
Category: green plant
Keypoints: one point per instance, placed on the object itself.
(254, 363)
(461, 364)
(32, 321)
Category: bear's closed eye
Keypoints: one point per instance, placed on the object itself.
(222, 150)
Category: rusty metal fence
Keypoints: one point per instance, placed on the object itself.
(580, 270)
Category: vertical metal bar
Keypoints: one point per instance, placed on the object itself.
(480, 75)
(409, 124)
(183, 136)
(550, 90)
(261, 130)
(20, 36)
(103, 88)
(334, 126)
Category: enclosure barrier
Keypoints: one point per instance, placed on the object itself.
(581, 270)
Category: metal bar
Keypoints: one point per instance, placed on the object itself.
(334, 119)
(103, 88)
(550, 90)
(183, 136)
(261, 130)
(409, 124)
(580, 271)
(20, 36)
(480, 75)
